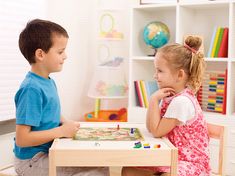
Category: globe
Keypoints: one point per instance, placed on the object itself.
(156, 34)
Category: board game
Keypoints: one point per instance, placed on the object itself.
(108, 134)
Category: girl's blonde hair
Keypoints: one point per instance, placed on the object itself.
(188, 58)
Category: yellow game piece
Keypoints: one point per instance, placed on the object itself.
(146, 144)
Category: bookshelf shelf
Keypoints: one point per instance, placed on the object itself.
(147, 58)
(232, 59)
(216, 59)
(185, 18)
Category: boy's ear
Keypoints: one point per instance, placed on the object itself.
(39, 54)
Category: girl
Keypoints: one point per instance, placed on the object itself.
(179, 71)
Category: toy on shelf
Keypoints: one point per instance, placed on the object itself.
(109, 83)
(156, 34)
(107, 116)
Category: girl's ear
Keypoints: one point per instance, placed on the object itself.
(181, 74)
(39, 54)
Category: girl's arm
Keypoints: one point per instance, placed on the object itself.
(165, 126)
(154, 122)
(26, 138)
(153, 114)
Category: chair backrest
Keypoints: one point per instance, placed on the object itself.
(219, 132)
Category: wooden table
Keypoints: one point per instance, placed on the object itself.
(67, 152)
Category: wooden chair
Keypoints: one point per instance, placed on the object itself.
(219, 132)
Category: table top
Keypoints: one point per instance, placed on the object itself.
(69, 152)
(69, 143)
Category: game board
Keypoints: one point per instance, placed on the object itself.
(108, 134)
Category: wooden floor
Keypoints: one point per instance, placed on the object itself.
(115, 171)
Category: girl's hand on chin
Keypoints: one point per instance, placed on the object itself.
(169, 91)
(163, 92)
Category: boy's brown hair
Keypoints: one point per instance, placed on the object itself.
(38, 34)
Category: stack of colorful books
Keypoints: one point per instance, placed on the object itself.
(219, 43)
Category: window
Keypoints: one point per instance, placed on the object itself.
(14, 14)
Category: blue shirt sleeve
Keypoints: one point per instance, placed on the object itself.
(28, 107)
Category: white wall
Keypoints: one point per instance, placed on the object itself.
(77, 17)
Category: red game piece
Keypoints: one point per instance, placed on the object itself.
(118, 127)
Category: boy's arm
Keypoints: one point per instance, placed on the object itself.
(62, 120)
(26, 138)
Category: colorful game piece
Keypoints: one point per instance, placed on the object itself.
(132, 132)
(146, 145)
(138, 145)
(118, 127)
(157, 146)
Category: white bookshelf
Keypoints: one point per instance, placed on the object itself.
(183, 18)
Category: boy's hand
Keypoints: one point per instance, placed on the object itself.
(69, 128)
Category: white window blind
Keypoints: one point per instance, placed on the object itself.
(14, 14)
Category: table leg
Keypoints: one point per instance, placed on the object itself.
(174, 161)
(52, 166)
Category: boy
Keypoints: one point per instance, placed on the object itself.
(38, 114)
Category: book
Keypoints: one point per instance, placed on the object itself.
(144, 93)
(219, 42)
(212, 42)
(139, 94)
(151, 87)
(215, 41)
(223, 51)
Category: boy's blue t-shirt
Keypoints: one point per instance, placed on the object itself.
(37, 105)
